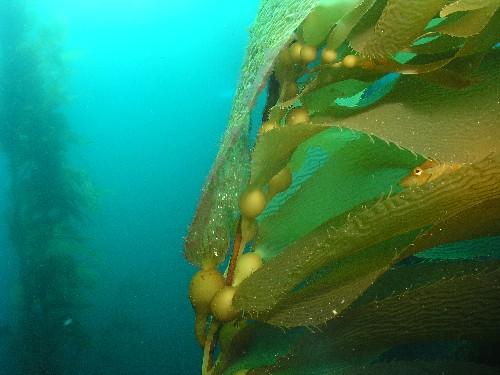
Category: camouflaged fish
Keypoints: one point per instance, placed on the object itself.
(429, 171)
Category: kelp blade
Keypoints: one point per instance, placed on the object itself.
(210, 232)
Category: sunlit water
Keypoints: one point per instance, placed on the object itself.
(150, 86)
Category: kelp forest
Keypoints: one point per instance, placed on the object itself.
(358, 233)
(49, 200)
(349, 224)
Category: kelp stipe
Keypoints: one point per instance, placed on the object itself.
(48, 199)
(370, 204)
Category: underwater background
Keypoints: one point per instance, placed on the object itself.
(149, 87)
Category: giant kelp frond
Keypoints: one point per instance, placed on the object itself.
(460, 307)
(450, 131)
(355, 161)
(208, 237)
(379, 141)
(404, 213)
(413, 304)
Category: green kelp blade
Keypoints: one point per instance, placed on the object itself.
(344, 281)
(331, 290)
(413, 275)
(480, 220)
(334, 346)
(356, 162)
(465, 5)
(419, 368)
(215, 218)
(485, 247)
(460, 307)
(274, 149)
(399, 25)
(324, 98)
(472, 23)
(320, 21)
(435, 44)
(464, 127)
(405, 212)
(256, 345)
(385, 368)
(347, 23)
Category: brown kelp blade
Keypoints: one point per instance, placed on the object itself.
(404, 213)
(215, 219)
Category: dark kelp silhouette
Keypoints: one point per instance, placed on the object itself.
(48, 198)
(364, 223)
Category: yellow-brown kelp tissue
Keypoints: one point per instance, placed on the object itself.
(366, 218)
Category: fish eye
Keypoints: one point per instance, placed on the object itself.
(417, 171)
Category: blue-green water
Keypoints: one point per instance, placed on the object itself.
(150, 85)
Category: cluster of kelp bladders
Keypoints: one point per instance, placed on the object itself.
(369, 205)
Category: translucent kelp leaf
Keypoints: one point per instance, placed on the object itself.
(323, 99)
(347, 24)
(487, 247)
(436, 44)
(399, 25)
(385, 368)
(460, 307)
(465, 5)
(209, 235)
(481, 220)
(397, 215)
(334, 288)
(464, 127)
(471, 23)
(302, 170)
(422, 316)
(485, 40)
(274, 148)
(320, 21)
(414, 275)
(256, 345)
(419, 368)
(356, 162)
(373, 93)
(347, 279)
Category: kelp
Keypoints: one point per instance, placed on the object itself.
(484, 247)
(333, 349)
(355, 161)
(469, 24)
(465, 5)
(389, 368)
(334, 240)
(381, 238)
(274, 149)
(399, 25)
(451, 132)
(323, 18)
(209, 234)
(49, 200)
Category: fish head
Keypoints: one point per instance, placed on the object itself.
(419, 175)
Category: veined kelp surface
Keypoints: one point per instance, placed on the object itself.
(216, 215)
(371, 208)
